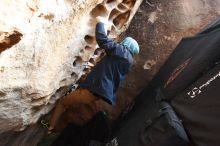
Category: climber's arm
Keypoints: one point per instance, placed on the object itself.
(103, 41)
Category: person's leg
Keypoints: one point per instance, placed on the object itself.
(76, 98)
(66, 137)
(95, 130)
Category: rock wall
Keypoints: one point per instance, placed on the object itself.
(158, 26)
(46, 46)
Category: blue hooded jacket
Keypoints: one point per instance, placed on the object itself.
(105, 77)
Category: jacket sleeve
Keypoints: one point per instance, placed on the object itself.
(103, 41)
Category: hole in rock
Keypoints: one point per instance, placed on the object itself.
(2, 94)
(102, 54)
(82, 78)
(120, 20)
(89, 39)
(129, 3)
(99, 10)
(63, 81)
(97, 51)
(111, 1)
(9, 39)
(47, 16)
(114, 13)
(108, 32)
(73, 75)
(122, 7)
(78, 60)
(113, 31)
(88, 48)
(91, 60)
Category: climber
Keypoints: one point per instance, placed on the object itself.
(98, 91)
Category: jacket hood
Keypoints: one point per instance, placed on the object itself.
(131, 44)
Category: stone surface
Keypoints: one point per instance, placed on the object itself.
(46, 46)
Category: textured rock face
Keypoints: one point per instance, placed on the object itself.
(47, 45)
